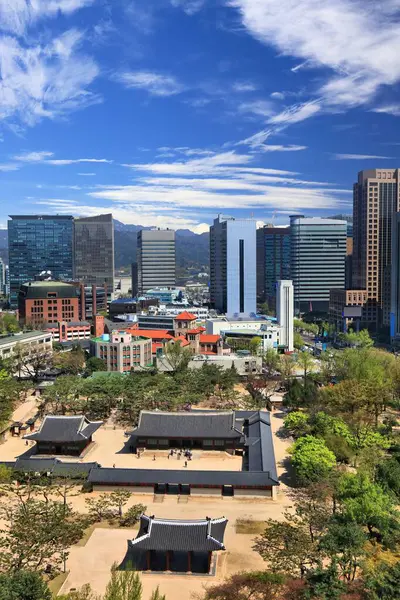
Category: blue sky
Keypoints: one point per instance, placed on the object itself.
(166, 112)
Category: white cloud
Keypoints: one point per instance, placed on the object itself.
(389, 109)
(359, 42)
(295, 113)
(189, 6)
(5, 167)
(73, 161)
(278, 95)
(155, 84)
(44, 81)
(262, 108)
(360, 157)
(244, 86)
(33, 156)
(87, 174)
(17, 15)
(280, 148)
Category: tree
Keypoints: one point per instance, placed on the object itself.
(271, 362)
(23, 585)
(118, 499)
(324, 584)
(344, 542)
(100, 509)
(388, 475)
(287, 547)
(8, 324)
(84, 593)
(71, 362)
(383, 583)
(312, 459)
(132, 515)
(156, 595)
(95, 364)
(255, 345)
(298, 341)
(123, 585)
(296, 423)
(254, 585)
(361, 339)
(37, 534)
(305, 362)
(31, 360)
(178, 357)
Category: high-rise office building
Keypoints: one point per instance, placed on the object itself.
(395, 280)
(318, 255)
(38, 243)
(233, 266)
(155, 259)
(273, 261)
(376, 197)
(285, 312)
(2, 278)
(94, 251)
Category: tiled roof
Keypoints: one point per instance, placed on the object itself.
(185, 316)
(183, 340)
(154, 334)
(212, 425)
(209, 339)
(167, 534)
(64, 429)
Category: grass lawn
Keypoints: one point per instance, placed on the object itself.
(249, 526)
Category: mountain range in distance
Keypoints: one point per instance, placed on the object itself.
(192, 249)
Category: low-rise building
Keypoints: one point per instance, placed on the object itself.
(69, 331)
(123, 351)
(271, 334)
(43, 302)
(244, 365)
(61, 435)
(31, 342)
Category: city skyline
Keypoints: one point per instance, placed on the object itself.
(168, 112)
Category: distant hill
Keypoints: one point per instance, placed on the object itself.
(191, 249)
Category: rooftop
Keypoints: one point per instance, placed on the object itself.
(62, 429)
(194, 424)
(22, 337)
(167, 534)
(185, 316)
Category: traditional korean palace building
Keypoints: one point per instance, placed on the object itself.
(178, 546)
(64, 435)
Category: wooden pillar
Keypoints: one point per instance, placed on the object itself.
(209, 562)
(189, 557)
(168, 560)
(148, 560)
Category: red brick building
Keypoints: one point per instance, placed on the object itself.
(45, 302)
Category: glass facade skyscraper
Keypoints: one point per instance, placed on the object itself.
(273, 261)
(318, 256)
(39, 243)
(94, 251)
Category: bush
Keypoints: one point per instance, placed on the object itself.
(132, 515)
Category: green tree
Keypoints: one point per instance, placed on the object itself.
(383, 583)
(156, 595)
(100, 509)
(118, 499)
(344, 543)
(361, 339)
(296, 423)
(298, 341)
(23, 585)
(38, 533)
(254, 585)
(95, 364)
(312, 459)
(123, 585)
(178, 357)
(305, 361)
(84, 593)
(132, 515)
(8, 324)
(255, 345)
(324, 584)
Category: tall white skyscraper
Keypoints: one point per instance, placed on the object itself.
(156, 259)
(285, 311)
(233, 266)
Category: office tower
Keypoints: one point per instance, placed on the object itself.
(134, 276)
(38, 243)
(155, 259)
(318, 255)
(7, 280)
(375, 200)
(395, 280)
(273, 261)
(2, 278)
(94, 251)
(285, 312)
(233, 266)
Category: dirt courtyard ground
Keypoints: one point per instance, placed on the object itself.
(92, 563)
